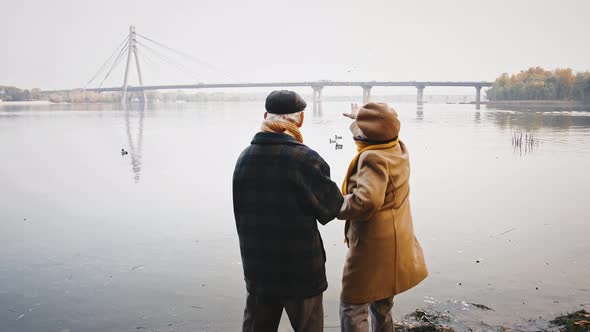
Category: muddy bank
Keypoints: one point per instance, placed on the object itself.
(455, 316)
(576, 322)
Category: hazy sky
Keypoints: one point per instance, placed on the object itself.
(61, 43)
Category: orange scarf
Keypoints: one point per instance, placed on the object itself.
(362, 147)
(281, 126)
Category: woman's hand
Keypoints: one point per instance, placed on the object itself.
(354, 109)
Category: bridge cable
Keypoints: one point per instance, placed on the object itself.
(200, 62)
(187, 71)
(123, 44)
(163, 57)
(181, 53)
(115, 63)
(146, 58)
(170, 61)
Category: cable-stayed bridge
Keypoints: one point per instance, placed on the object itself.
(130, 47)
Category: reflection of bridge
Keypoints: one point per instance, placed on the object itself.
(130, 47)
(135, 145)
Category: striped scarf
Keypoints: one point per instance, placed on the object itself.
(282, 126)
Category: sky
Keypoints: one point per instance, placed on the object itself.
(61, 44)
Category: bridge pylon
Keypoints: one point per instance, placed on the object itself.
(366, 94)
(420, 95)
(132, 48)
(477, 97)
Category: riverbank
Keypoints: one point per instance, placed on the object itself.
(451, 318)
(26, 103)
(539, 104)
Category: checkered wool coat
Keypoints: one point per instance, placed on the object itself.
(281, 188)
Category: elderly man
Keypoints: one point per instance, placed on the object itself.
(281, 188)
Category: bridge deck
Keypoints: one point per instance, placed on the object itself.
(288, 84)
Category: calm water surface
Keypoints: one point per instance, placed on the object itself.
(94, 241)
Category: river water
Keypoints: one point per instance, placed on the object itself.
(91, 240)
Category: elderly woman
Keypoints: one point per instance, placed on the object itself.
(384, 257)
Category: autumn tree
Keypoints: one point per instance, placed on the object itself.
(537, 83)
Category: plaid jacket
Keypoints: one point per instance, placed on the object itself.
(280, 188)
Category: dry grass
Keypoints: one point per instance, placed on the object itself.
(524, 142)
(578, 321)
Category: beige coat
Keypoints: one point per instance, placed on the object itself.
(384, 257)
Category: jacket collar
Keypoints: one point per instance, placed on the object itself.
(274, 138)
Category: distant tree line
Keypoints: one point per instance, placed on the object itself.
(537, 83)
(10, 93)
(81, 96)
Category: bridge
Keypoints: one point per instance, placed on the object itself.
(130, 47)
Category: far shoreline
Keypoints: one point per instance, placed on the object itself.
(539, 104)
(26, 102)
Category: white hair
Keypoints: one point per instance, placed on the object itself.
(292, 117)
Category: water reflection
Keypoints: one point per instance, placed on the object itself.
(535, 120)
(98, 288)
(317, 109)
(477, 117)
(135, 146)
(420, 112)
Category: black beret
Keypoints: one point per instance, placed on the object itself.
(284, 102)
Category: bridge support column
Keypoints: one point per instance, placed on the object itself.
(317, 100)
(420, 95)
(132, 48)
(317, 93)
(477, 97)
(366, 94)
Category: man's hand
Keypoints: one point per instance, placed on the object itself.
(354, 109)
